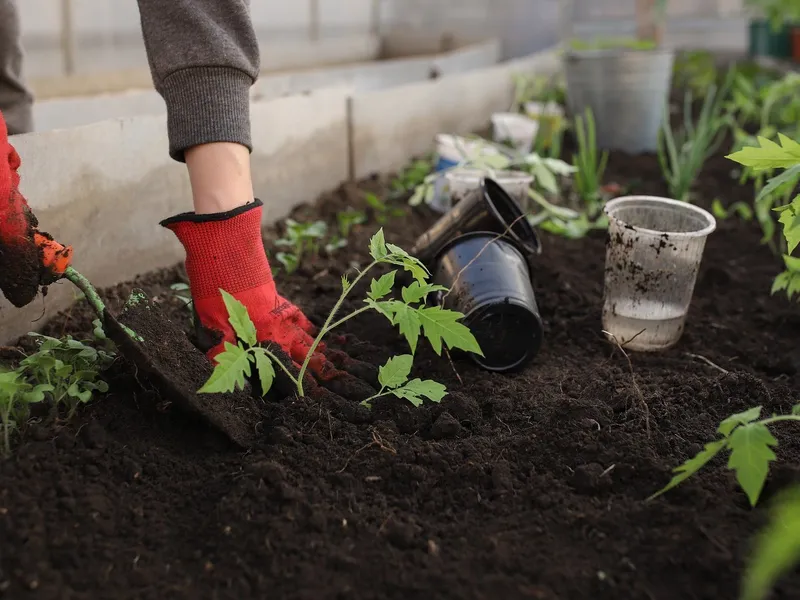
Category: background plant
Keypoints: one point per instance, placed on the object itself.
(16, 396)
(682, 153)
(302, 239)
(783, 155)
(382, 210)
(441, 327)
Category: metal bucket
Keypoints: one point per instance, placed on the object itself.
(627, 91)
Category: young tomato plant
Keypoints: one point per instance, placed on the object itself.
(393, 378)
(783, 155)
(412, 175)
(777, 547)
(16, 396)
(441, 327)
(382, 211)
(750, 444)
(302, 239)
(345, 221)
(69, 368)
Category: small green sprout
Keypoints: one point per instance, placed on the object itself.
(750, 444)
(303, 239)
(16, 396)
(382, 211)
(393, 378)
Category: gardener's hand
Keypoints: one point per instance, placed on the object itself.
(225, 251)
(29, 259)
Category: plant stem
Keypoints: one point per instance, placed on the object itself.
(378, 395)
(275, 360)
(327, 327)
(348, 317)
(780, 418)
(84, 285)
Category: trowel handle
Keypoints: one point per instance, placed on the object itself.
(56, 258)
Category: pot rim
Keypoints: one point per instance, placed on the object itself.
(711, 222)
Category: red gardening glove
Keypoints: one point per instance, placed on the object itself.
(29, 259)
(225, 251)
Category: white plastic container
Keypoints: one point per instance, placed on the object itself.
(461, 180)
(654, 250)
(455, 149)
(517, 129)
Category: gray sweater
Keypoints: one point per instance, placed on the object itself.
(204, 58)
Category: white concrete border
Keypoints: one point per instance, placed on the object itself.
(82, 110)
(103, 187)
(391, 125)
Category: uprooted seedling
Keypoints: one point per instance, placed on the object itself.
(62, 371)
(750, 444)
(413, 318)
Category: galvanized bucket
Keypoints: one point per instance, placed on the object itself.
(627, 90)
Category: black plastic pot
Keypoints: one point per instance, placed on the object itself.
(487, 208)
(496, 296)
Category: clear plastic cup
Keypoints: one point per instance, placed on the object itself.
(517, 129)
(461, 180)
(653, 255)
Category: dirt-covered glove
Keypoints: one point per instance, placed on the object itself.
(29, 259)
(225, 251)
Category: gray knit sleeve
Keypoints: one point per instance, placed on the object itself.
(204, 58)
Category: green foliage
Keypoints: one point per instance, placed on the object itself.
(70, 367)
(613, 44)
(393, 378)
(537, 88)
(589, 164)
(682, 153)
(234, 363)
(441, 327)
(382, 210)
(750, 444)
(412, 175)
(740, 209)
(777, 547)
(696, 70)
(769, 155)
(302, 239)
(16, 395)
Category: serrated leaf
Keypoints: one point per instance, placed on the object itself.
(396, 370)
(397, 256)
(417, 390)
(440, 325)
(379, 288)
(750, 457)
(345, 283)
(790, 219)
(777, 547)
(788, 178)
(264, 369)
(417, 291)
(377, 246)
(692, 466)
(239, 319)
(742, 418)
(233, 366)
(404, 317)
(769, 155)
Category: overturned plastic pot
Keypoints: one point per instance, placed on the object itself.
(490, 283)
(486, 208)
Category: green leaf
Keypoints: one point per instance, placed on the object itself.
(796, 409)
(742, 418)
(397, 256)
(692, 466)
(264, 369)
(379, 288)
(750, 457)
(416, 390)
(233, 366)
(441, 325)
(377, 246)
(396, 370)
(769, 155)
(777, 548)
(239, 319)
(790, 219)
(404, 317)
(37, 394)
(787, 178)
(418, 291)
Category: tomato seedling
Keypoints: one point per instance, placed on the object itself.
(750, 444)
(441, 327)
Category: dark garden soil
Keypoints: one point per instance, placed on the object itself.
(523, 486)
